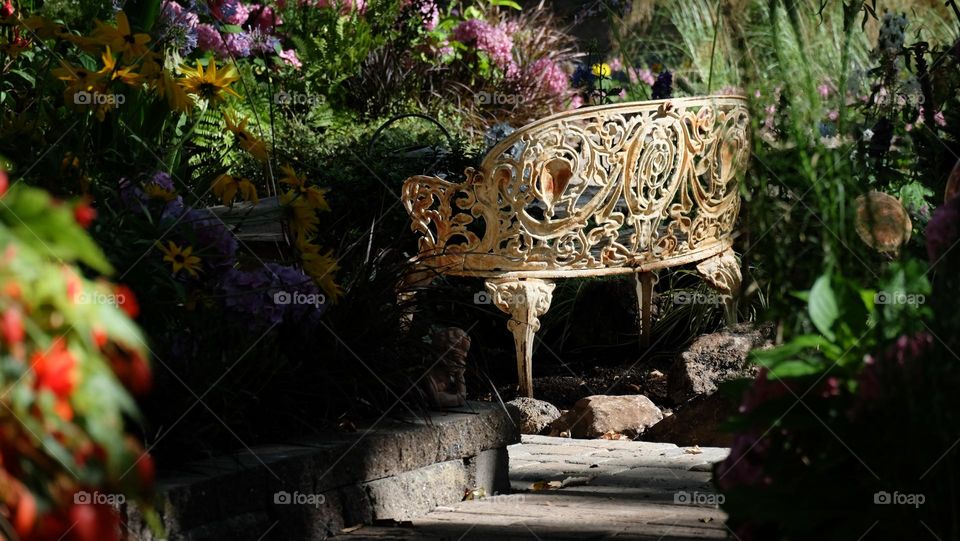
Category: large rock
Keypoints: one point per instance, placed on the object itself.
(714, 358)
(531, 415)
(594, 416)
(696, 423)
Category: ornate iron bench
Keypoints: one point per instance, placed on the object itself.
(627, 188)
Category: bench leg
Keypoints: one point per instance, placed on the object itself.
(722, 272)
(524, 301)
(645, 281)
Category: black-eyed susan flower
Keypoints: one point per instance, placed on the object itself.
(314, 196)
(301, 217)
(209, 84)
(322, 269)
(226, 187)
(114, 72)
(180, 258)
(246, 140)
(132, 47)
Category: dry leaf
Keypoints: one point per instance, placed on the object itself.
(695, 450)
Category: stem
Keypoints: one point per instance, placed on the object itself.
(713, 47)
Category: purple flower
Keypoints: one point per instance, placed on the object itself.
(238, 44)
(269, 295)
(178, 27)
(663, 87)
(214, 243)
(943, 231)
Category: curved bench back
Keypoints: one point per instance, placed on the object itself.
(598, 190)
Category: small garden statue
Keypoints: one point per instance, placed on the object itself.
(446, 384)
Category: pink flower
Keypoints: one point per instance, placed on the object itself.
(290, 57)
(230, 11)
(492, 40)
(644, 75)
(209, 39)
(267, 19)
(833, 115)
(824, 90)
(429, 12)
(346, 6)
(550, 76)
(939, 119)
(615, 65)
(576, 102)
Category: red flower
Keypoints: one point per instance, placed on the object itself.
(126, 300)
(56, 369)
(11, 327)
(6, 10)
(4, 181)
(84, 214)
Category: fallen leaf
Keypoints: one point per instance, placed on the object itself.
(546, 485)
(695, 450)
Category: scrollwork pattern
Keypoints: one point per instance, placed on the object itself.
(602, 187)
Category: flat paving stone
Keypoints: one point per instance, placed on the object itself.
(584, 489)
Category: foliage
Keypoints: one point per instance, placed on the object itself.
(70, 356)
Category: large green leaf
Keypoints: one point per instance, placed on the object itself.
(823, 307)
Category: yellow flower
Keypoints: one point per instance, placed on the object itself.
(180, 258)
(322, 268)
(315, 197)
(114, 72)
(247, 141)
(209, 84)
(44, 27)
(226, 188)
(302, 218)
(155, 191)
(600, 70)
(122, 39)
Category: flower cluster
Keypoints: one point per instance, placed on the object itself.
(231, 29)
(69, 347)
(494, 41)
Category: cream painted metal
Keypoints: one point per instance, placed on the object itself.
(628, 188)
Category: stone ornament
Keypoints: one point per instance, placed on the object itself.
(446, 383)
(627, 188)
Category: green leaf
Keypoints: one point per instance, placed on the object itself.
(506, 3)
(795, 369)
(822, 306)
(232, 28)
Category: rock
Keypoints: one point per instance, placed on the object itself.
(697, 423)
(532, 415)
(714, 358)
(594, 416)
